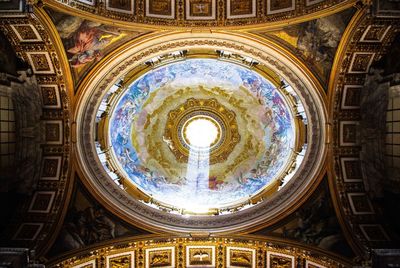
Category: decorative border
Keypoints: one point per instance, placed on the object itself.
(343, 75)
(259, 247)
(301, 11)
(59, 184)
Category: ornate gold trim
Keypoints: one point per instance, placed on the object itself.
(251, 27)
(260, 245)
(228, 130)
(332, 92)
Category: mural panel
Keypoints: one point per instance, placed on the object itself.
(86, 42)
(315, 41)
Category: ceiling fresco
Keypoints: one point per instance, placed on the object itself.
(86, 41)
(257, 134)
(315, 41)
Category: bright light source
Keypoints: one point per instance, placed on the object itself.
(201, 133)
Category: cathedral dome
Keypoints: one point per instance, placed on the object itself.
(202, 135)
(199, 137)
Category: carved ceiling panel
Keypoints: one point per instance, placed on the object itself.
(162, 251)
(37, 220)
(201, 13)
(367, 44)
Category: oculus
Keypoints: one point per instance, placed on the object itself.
(203, 126)
(201, 136)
